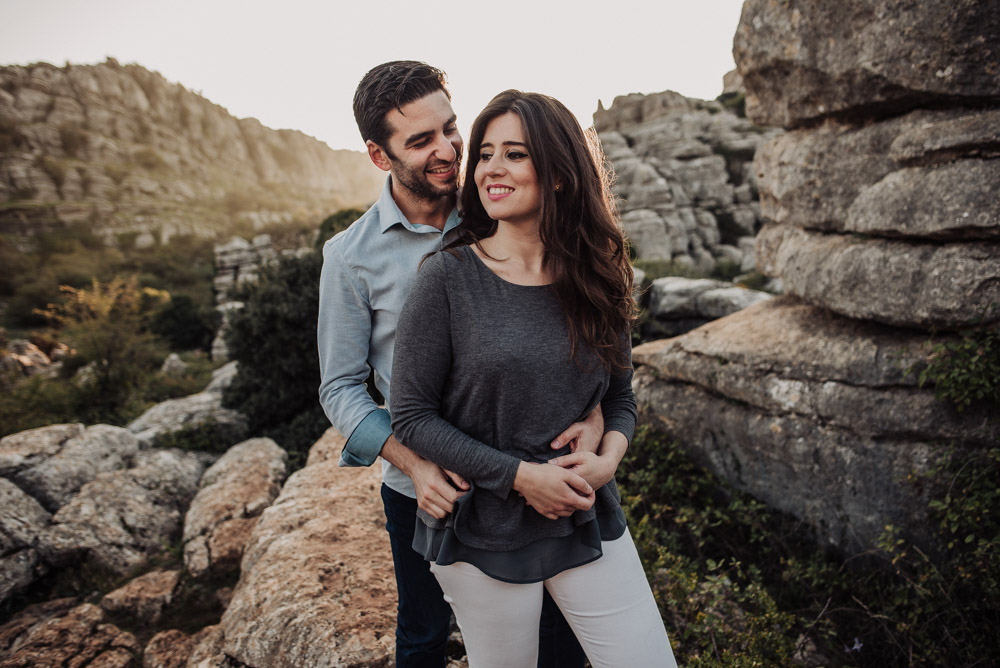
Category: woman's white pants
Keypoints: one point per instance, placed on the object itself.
(607, 602)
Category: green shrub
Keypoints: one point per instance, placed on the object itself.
(337, 222)
(107, 326)
(185, 325)
(965, 371)
(274, 339)
(739, 584)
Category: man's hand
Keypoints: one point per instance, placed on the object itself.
(553, 491)
(583, 436)
(437, 489)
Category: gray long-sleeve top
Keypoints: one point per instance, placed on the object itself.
(482, 379)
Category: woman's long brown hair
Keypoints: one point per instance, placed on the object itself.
(584, 245)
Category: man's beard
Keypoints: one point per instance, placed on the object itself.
(415, 180)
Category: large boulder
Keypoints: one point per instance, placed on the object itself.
(60, 633)
(233, 493)
(317, 587)
(201, 411)
(21, 519)
(811, 412)
(904, 283)
(121, 517)
(176, 649)
(923, 175)
(144, 598)
(803, 60)
(52, 463)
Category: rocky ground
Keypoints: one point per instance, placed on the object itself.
(192, 560)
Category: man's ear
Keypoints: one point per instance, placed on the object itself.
(378, 156)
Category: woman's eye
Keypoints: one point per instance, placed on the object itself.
(485, 157)
(516, 155)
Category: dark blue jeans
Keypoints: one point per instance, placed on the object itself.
(423, 618)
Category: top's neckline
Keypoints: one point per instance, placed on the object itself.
(472, 251)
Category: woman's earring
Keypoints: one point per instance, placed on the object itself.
(558, 187)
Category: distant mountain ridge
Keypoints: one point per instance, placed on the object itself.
(122, 148)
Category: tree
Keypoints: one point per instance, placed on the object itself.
(107, 324)
(273, 337)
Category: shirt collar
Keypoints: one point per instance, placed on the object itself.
(390, 215)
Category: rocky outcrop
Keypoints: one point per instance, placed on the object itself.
(810, 412)
(682, 171)
(126, 151)
(176, 649)
(237, 262)
(316, 587)
(233, 493)
(893, 221)
(681, 304)
(202, 411)
(144, 598)
(21, 519)
(52, 463)
(24, 358)
(881, 223)
(803, 60)
(61, 633)
(120, 518)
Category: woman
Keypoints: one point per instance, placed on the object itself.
(523, 328)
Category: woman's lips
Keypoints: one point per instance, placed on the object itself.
(497, 192)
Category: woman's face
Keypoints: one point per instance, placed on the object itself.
(505, 177)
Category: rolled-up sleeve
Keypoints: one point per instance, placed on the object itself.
(343, 335)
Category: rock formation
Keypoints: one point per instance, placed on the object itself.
(683, 174)
(120, 518)
(144, 598)
(302, 600)
(880, 218)
(62, 633)
(128, 152)
(99, 495)
(202, 411)
(680, 304)
(233, 493)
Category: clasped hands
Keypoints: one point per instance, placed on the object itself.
(557, 488)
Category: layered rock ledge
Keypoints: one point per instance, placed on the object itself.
(803, 60)
(811, 412)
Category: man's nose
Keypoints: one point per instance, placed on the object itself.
(444, 149)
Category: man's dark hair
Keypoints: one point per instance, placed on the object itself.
(390, 86)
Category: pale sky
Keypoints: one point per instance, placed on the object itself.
(295, 63)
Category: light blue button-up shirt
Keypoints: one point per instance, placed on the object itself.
(368, 270)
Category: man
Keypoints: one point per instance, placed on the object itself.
(404, 113)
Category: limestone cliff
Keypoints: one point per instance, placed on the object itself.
(684, 178)
(881, 220)
(130, 152)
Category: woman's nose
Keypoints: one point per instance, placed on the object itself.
(494, 166)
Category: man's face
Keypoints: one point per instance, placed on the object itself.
(425, 148)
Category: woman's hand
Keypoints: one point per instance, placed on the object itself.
(596, 470)
(553, 491)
